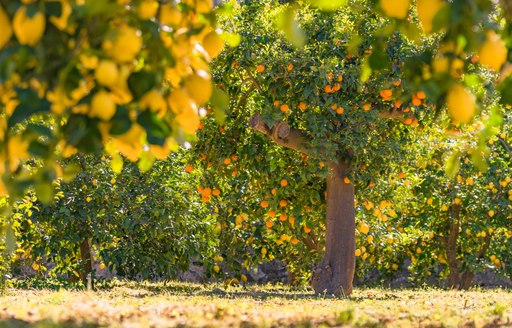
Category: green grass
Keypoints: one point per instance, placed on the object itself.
(125, 304)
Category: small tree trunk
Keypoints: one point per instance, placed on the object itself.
(86, 265)
(451, 248)
(335, 273)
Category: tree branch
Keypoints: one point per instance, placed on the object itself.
(281, 133)
(505, 144)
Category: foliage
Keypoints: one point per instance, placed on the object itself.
(141, 224)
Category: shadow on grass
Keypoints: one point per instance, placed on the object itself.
(147, 289)
(16, 323)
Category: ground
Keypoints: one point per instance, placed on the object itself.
(122, 304)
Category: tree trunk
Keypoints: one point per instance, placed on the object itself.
(86, 263)
(451, 247)
(335, 273)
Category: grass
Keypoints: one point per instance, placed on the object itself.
(128, 304)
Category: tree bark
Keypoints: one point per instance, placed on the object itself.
(335, 273)
(86, 265)
(451, 247)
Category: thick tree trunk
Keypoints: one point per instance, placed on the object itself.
(86, 265)
(335, 273)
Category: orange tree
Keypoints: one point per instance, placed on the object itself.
(302, 132)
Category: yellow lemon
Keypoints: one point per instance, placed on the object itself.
(461, 104)
(125, 46)
(5, 28)
(493, 52)
(395, 8)
(28, 30)
(427, 10)
(199, 87)
(189, 120)
(130, 143)
(154, 101)
(358, 252)
(179, 101)
(107, 73)
(170, 15)
(88, 61)
(216, 268)
(147, 9)
(213, 44)
(103, 106)
(62, 22)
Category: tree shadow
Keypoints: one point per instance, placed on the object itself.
(17, 323)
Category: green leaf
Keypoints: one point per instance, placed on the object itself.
(286, 21)
(141, 82)
(44, 191)
(220, 103)
(505, 89)
(145, 162)
(366, 70)
(232, 39)
(155, 128)
(30, 104)
(328, 5)
(10, 239)
(453, 165)
(379, 59)
(116, 163)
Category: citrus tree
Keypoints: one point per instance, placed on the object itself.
(463, 221)
(116, 219)
(116, 76)
(311, 102)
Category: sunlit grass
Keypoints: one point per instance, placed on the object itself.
(185, 304)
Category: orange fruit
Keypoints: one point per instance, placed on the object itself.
(340, 110)
(328, 88)
(306, 229)
(284, 108)
(367, 106)
(416, 101)
(386, 93)
(260, 68)
(294, 241)
(207, 192)
(227, 161)
(303, 106)
(269, 224)
(346, 180)
(283, 217)
(283, 203)
(216, 192)
(284, 182)
(290, 67)
(272, 213)
(264, 204)
(189, 168)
